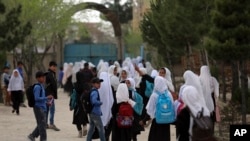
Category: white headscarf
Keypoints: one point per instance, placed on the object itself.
(106, 96)
(68, 72)
(114, 80)
(154, 73)
(127, 71)
(149, 68)
(169, 80)
(215, 87)
(122, 95)
(116, 63)
(132, 82)
(138, 77)
(16, 83)
(191, 98)
(103, 68)
(191, 79)
(76, 68)
(205, 78)
(159, 87)
(99, 65)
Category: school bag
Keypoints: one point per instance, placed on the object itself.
(203, 126)
(125, 116)
(149, 89)
(30, 95)
(87, 106)
(139, 103)
(165, 111)
(73, 99)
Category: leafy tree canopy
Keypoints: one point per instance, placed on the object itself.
(230, 33)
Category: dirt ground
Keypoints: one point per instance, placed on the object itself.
(16, 128)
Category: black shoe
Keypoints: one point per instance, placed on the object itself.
(31, 138)
(13, 111)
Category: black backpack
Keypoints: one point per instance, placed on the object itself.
(87, 106)
(203, 127)
(30, 95)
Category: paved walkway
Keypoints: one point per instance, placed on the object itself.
(16, 128)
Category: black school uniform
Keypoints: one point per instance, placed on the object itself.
(80, 117)
(136, 128)
(120, 134)
(182, 125)
(159, 132)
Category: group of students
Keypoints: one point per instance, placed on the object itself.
(135, 83)
(12, 86)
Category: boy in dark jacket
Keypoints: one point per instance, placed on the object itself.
(51, 89)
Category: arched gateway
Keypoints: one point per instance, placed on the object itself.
(110, 16)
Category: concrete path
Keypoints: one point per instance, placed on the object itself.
(16, 128)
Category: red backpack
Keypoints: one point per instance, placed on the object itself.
(125, 116)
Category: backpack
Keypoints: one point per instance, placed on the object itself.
(165, 111)
(125, 118)
(73, 99)
(203, 126)
(149, 89)
(30, 95)
(139, 103)
(86, 102)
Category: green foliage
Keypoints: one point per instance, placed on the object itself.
(13, 31)
(124, 12)
(172, 26)
(133, 42)
(47, 17)
(230, 33)
(2, 59)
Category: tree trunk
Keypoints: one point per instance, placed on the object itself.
(224, 86)
(235, 78)
(204, 57)
(171, 68)
(188, 50)
(243, 77)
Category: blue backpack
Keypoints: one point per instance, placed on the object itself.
(149, 89)
(73, 99)
(165, 112)
(139, 103)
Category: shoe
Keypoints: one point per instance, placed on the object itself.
(54, 127)
(47, 126)
(13, 111)
(80, 134)
(31, 138)
(23, 105)
(84, 132)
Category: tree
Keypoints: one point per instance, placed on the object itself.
(49, 19)
(230, 38)
(176, 26)
(13, 32)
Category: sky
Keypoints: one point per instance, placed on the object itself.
(88, 15)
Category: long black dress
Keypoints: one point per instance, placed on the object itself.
(120, 134)
(68, 85)
(142, 89)
(137, 128)
(182, 125)
(79, 116)
(159, 132)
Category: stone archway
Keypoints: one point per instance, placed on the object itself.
(110, 15)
